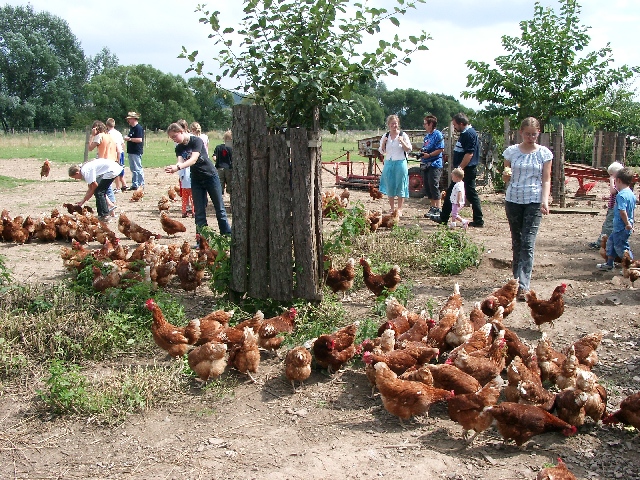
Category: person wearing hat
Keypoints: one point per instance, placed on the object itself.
(135, 141)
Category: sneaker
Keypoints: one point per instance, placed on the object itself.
(521, 295)
(116, 190)
(133, 188)
(437, 219)
(605, 267)
(105, 219)
(124, 188)
(476, 225)
(452, 225)
(185, 215)
(465, 224)
(595, 245)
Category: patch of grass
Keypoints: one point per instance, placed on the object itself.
(111, 398)
(453, 252)
(7, 183)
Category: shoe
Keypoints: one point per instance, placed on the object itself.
(124, 188)
(133, 188)
(116, 190)
(595, 245)
(605, 267)
(522, 294)
(452, 225)
(437, 219)
(113, 208)
(105, 219)
(185, 215)
(465, 224)
(476, 225)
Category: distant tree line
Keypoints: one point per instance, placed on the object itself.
(48, 82)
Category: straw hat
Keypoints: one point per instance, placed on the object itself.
(133, 115)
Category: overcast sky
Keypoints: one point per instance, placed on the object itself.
(153, 32)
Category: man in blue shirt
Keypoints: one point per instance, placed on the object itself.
(466, 155)
(135, 141)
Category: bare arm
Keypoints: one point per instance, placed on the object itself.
(91, 188)
(546, 187)
(625, 219)
(465, 160)
(181, 164)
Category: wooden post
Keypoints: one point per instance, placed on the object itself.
(621, 148)
(304, 238)
(557, 168)
(259, 205)
(596, 160)
(281, 222)
(241, 131)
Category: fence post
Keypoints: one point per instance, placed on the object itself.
(557, 168)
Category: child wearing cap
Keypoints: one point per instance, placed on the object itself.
(607, 225)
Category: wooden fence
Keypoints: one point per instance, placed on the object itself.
(608, 147)
(276, 247)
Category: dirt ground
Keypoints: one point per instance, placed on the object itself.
(332, 428)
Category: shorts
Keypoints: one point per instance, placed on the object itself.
(121, 162)
(431, 177)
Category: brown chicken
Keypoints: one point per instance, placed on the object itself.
(206, 254)
(45, 169)
(140, 234)
(270, 329)
(73, 208)
(449, 314)
(569, 371)
(102, 282)
(460, 332)
(559, 472)
(417, 332)
(399, 325)
(405, 398)
(137, 195)
(297, 365)
(585, 349)
(170, 225)
(385, 342)
(391, 220)
(394, 309)
(630, 268)
(479, 339)
(340, 280)
(520, 422)
(450, 377)
(167, 336)
(374, 192)
(550, 361)
(400, 360)
(373, 220)
(477, 317)
(172, 194)
(164, 204)
(190, 274)
(208, 360)
(504, 297)
(628, 412)
(525, 385)
(596, 405)
(485, 364)
(344, 196)
(570, 404)
(378, 283)
(245, 356)
(546, 311)
(468, 409)
(515, 346)
(332, 351)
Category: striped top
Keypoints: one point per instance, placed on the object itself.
(526, 174)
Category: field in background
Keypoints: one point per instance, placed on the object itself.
(68, 147)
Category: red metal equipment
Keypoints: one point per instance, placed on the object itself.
(585, 172)
(344, 172)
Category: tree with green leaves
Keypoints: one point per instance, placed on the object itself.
(297, 56)
(42, 67)
(160, 98)
(214, 103)
(412, 105)
(547, 71)
(616, 111)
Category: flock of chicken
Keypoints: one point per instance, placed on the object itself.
(545, 390)
(335, 204)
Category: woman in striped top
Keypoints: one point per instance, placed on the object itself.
(528, 175)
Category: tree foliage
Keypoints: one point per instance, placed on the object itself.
(616, 111)
(160, 98)
(547, 71)
(412, 105)
(214, 104)
(298, 55)
(43, 69)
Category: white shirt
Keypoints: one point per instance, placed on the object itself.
(117, 137)
(98, 169)
(393, 148)
(458, 187)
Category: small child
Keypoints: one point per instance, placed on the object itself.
(625, 204)
(185, 191)
(607, 225)
(457, 199)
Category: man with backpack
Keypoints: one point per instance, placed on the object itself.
(222, 159)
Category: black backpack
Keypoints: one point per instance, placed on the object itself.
(399, 134)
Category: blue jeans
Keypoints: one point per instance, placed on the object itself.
(199, 189)
(100, 193)
(617, 243)
(524, 222)
(137, 173)
(110, 194)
